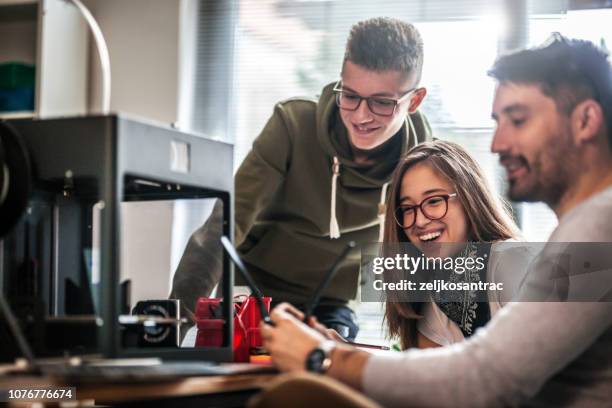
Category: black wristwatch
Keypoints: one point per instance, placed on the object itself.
(319, 359)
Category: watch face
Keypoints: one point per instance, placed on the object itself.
(314, 361)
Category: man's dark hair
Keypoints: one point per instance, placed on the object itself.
(567, 70)
(383, 44)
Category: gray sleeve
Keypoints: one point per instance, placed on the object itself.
(201, 266)
(522, 347)
(508, 264)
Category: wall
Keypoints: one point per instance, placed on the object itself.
(143, 41)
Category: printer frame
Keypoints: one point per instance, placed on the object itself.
(100, 153)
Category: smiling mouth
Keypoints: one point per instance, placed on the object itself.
(365, 130)
(430, 237)
(515, 166)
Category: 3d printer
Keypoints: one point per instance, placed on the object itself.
(112, 204)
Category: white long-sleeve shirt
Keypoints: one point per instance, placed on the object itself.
(545, 354)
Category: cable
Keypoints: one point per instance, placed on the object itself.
(102, 53)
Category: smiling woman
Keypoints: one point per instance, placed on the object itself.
(439, 194)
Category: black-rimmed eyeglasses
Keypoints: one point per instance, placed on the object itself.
(378, 105)
(434, 208)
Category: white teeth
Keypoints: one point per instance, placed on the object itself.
(430, 236)
(364, 128)
(513, 166)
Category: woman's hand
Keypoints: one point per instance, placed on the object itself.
(290, 340)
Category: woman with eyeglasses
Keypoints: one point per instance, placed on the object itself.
(439, 195)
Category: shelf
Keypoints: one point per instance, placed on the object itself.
(17, 115)
(52, 36)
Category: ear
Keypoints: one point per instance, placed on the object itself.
(587, 121)
(416, 99)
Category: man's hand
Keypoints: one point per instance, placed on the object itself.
(290, 340)
(330, 334)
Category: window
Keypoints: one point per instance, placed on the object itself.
(538, 221)
(284, 49)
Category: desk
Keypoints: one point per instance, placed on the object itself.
(221, 391)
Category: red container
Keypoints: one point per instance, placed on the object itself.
(247, 337)
(210, 328)
(208, 308)
(210, 333)
(247, 317)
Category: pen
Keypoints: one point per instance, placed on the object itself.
(370, 346)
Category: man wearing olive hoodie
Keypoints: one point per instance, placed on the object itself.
(317, 174)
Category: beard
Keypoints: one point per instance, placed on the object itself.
(550, 173)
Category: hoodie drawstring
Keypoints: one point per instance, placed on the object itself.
(334, 230)
(413, 131)
(382, 209)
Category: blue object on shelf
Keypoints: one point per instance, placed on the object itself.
(16, 99)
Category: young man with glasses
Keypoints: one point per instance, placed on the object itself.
(316, 176)
(553, 108)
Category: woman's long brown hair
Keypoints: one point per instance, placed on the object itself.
(489, 218)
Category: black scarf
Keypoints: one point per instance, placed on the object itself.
(463, 307)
